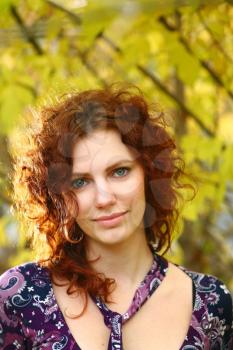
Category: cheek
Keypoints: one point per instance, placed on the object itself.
(136, 196)
(136, 188)
(137, 208)
(132, 187)
(139, 200)
(85, 204)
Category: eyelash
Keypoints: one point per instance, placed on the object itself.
(123, 167)
(127, 169)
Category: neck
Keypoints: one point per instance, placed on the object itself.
(127, 262)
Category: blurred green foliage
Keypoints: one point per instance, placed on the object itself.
(180, 53)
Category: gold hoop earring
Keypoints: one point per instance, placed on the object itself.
(74, 240)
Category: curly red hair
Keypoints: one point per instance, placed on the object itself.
(42, 172)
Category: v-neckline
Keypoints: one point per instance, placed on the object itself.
(75, 343)
(114, 320)
(145, 289)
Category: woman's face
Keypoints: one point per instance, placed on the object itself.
(108, 181)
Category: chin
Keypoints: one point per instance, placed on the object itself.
(113, 238)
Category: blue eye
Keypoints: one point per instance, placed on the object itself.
(78, 183)
(121, 171)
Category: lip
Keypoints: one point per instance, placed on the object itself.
(109, 217)
(111, 220)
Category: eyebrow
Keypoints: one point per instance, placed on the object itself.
(128, 161)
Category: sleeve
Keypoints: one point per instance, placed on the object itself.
(11, 333)
(226, 304)
(223, 312)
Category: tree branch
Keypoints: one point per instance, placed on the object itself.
(28, 87)
(162, 87)
(182, 106)
(83, 58)
(101, 35)
(26, 33)
(82, 55)
(211, 34)
(203, 63)
(71, 14)
(30, 38)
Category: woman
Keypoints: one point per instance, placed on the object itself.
(99, 182)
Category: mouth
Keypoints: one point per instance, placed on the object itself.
(111, 220)
(109, 217)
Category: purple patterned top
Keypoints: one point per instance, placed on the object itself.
(30, 317)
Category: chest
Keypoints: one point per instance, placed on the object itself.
(162, 323)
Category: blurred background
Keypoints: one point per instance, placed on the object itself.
(180, 53)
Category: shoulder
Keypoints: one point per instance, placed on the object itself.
(21, 287)
(20, 278)
(212, 314)
(209, 284)
(213, 304)
(23, 268)
(21, 273)
(214, 290)
(26, 303)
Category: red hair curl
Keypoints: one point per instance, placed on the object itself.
(42, 171)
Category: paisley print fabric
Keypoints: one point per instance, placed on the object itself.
(31, 319)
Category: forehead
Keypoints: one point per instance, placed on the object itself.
(100, 148)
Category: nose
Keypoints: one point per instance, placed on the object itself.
(104, 195)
